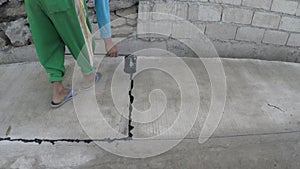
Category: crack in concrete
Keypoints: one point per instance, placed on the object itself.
(276, 107)
(53, 141)
(131, 99)
(108, 140)
(130, 68)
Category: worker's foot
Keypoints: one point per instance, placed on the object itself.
(90, 80)
(61, 94)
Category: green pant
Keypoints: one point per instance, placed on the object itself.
(58, 23)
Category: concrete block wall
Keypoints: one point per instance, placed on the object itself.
(263, 29)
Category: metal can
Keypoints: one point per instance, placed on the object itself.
(130, 64)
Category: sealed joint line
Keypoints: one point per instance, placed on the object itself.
(131, 99)
(54, 141)
(130, 68)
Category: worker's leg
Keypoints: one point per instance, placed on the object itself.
(69, 18)
(89, 25)
(50, 47)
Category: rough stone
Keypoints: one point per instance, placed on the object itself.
(2, 42)
(113, 16)
(3, 1)
(12, 11)
(90, 3)
(118, 22)
(121, 4)
(17, 32)
(131, 22)
(128, 12)
(2, 39)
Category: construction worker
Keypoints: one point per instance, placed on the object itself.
(58, 23)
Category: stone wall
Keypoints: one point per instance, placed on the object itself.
(263, 29)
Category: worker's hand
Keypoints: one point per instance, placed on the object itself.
(111, 48)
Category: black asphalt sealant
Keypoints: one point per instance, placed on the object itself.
(53, 141)
(131, 99)
(130, 68)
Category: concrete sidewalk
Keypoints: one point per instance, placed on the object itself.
(260, 127)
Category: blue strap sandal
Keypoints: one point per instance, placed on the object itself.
(67, 98)
(97, 80)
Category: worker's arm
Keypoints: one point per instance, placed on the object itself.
(103, 17)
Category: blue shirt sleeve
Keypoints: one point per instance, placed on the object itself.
(103, 17)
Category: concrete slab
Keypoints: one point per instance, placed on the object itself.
(28, 112)
(260, 127)
(262, 152)
(261, 98)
